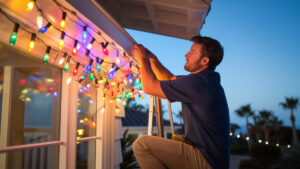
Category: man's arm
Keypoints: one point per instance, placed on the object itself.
(159, 70)
(150, 83)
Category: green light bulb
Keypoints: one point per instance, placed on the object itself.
(13, 39)
(98, 67)
(91, 77)
(66, 67)
(137, 82)
(128, 95)
(124, 103)
(46, 58)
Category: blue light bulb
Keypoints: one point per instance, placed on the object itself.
(129, 78)
(84, 34)
(88, 69)
(112, 74)
(44, 29)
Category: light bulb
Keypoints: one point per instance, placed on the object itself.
(66, 67)
(61, 41)
(98, 65)
(89, 66)
(84, 34)
(74, 51)
(63, 21)
(91, 77)
(90, 45)
(30, 5)
(75, 71)
(13, 37)
(104, 49)
(117, 60)
(46, 56)
(39, 21)
(44, 29)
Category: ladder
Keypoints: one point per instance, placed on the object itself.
(159, 117)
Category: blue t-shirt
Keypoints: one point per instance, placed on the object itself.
(205, 114)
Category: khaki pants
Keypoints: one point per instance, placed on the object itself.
(159, 153)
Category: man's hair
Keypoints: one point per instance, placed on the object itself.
(211, 48)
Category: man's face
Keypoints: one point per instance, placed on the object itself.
(193, 58)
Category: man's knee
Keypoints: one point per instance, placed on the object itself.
(140, 143)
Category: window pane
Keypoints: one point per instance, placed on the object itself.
(86, 121)
(86, 155)
(35, 99)
(43, 157)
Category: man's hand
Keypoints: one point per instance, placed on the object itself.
(150, 54)
(139, 52)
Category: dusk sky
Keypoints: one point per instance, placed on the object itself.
(261, 42)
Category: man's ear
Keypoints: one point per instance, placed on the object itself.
(205, 60)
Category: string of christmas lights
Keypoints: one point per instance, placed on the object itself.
(85, 31)
(261, 141)
(34, 37)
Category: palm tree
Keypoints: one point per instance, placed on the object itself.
(291, 104)
(266, 117)
(233, 128)
(245, 111)
(257, 126)
(275, 125)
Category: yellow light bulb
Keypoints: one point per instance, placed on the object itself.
(61, 43)
(31, 45)
(62, 25)
(30, 5)
(80, 132)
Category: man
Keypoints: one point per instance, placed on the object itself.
(204, 107)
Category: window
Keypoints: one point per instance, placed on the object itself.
(42, 157)
(86, 155)
(86, 124)
(86, 120)
(30, 109)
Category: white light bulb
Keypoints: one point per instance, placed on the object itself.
(61, 61)
(69, 80)
(89, 46)
(39, 21)
(117, 61)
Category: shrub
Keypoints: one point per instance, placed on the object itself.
(239, 149)
(263, 155)
(246, 164)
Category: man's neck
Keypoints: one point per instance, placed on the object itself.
(200, 69)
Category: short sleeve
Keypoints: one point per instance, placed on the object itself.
(186, 89)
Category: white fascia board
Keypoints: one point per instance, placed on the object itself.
(102, 19)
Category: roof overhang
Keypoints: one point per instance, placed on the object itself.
(176, 18)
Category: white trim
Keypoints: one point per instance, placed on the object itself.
(145, 127)
(6, 101)
(88, 138)
(99, 130)
(30, 146)
(72, 125)
(64, 120)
